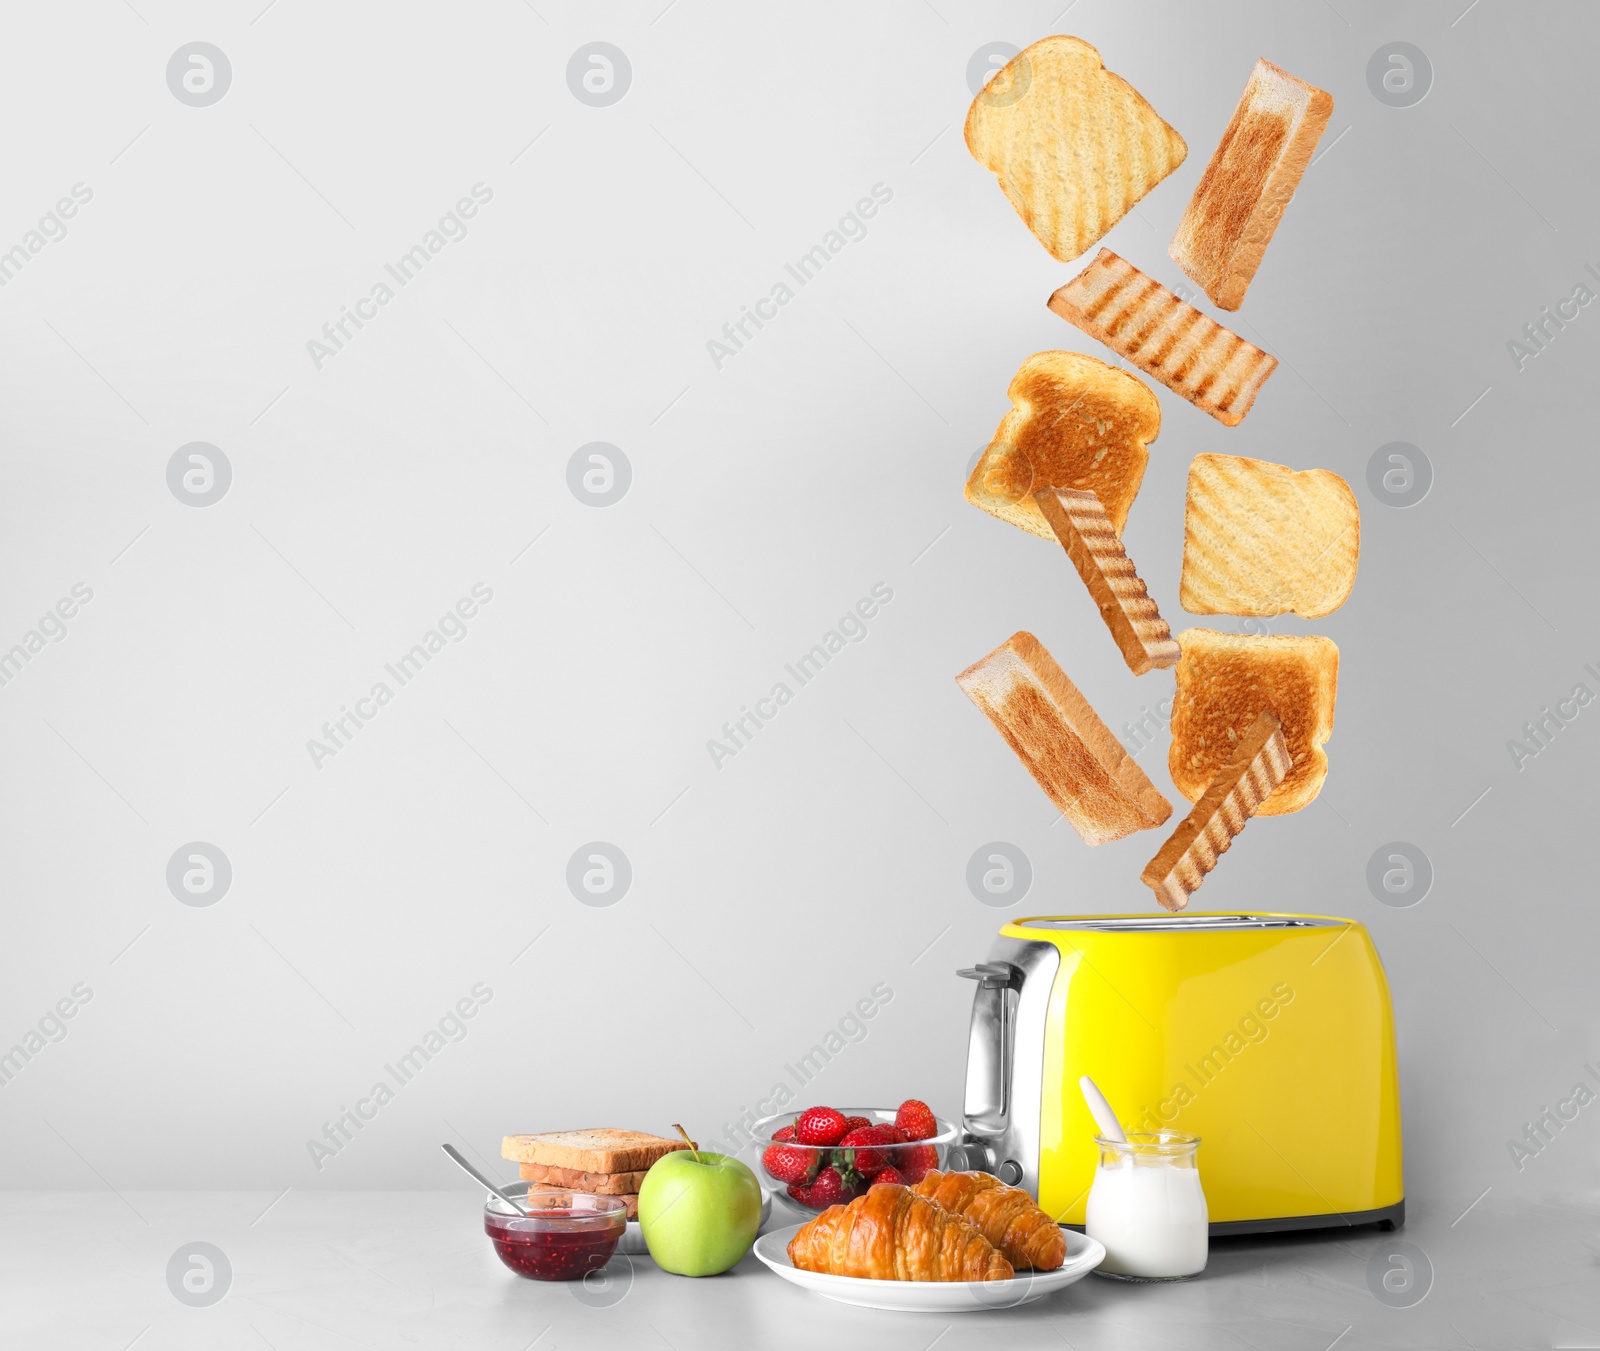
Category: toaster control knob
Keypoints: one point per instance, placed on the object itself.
(1009, 1172)
(971, 1155)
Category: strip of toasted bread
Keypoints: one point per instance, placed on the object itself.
(1191, 354)
(1071, 754)
(1260, 539)
(1251, 179)
(597, 1150)
(1073, 145)
(1085, 532)
(538, 1189)
(1075, 422)
(1225, 680)
(602, 1184)
(1258, 765)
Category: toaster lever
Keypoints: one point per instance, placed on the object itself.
(989, 1044)
(991, 974)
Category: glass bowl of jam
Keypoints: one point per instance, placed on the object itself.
(564, 1237)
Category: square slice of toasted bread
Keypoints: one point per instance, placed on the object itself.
(1227, 680)
(1075, 422)
(1071, 754)
(1250, 181)
(597, 1150)
(1190, 353)
(1073, 145)
(602, 1184)
(1261, 539)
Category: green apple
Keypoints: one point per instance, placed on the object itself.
(699, 1212)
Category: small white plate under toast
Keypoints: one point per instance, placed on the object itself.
(1084, 1254)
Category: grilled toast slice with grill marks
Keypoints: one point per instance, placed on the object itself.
(1191, 354)
(1250, 181)
(1258, 765)
(1225, 681)
(1071, 754)
(1075, 422)
(1085, 532)
(1261, 539)
(1074, 146)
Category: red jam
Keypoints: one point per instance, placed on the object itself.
(557, 1245)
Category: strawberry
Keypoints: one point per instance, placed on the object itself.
(916, 1161)
(819, 1126)
(916, 1120)
(790, 1163)
(855, 1123)
(829, 1189)
(866, 1161)
(894, 1135)
(784, 1134)
(889, 1174)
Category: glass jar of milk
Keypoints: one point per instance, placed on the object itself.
(1147, 1207)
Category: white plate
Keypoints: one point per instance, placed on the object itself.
(634, 1245)
(1084, 1254)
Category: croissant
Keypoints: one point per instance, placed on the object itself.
(1006, 1216)
(892, 1234)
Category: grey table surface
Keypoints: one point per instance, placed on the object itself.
(382, 1269)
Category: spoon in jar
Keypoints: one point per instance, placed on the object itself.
(1100, 1110)
(472, 1172)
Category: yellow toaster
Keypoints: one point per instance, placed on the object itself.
(1269, 1036)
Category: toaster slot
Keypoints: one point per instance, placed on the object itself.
(1182, 923)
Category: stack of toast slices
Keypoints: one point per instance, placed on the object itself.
(601, 1161)
(1074, 148)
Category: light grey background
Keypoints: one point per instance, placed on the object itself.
(829, 856)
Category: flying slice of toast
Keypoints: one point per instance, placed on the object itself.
(1085, 532)
(1192, 355)
(1250, 181)
(1257, 766)
(1225, 681)
(1260, 539)
(1074, 146)
(599, 1150)
(1071, 754)
(576, 1179)
(1075, 422)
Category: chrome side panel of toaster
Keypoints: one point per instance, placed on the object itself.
(1005, 1059)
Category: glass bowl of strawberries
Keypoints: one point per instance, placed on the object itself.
(825, 1156)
